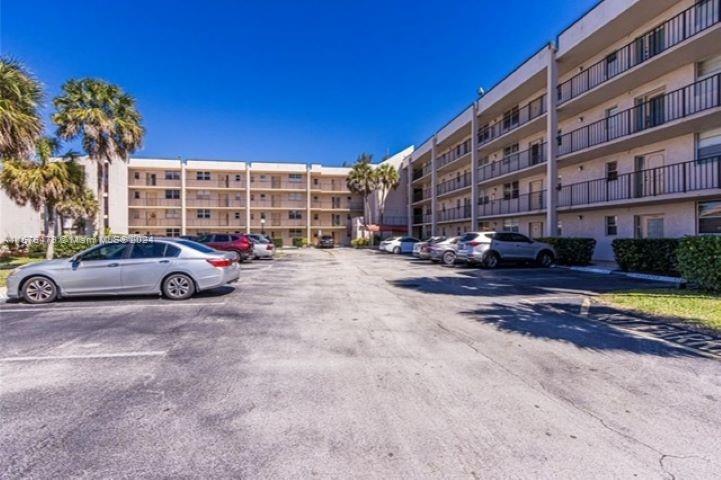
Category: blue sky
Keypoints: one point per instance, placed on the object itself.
(283, 80)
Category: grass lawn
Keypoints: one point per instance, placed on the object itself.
(7, 265)
(698, 307)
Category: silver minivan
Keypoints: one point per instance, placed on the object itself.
(489, 249)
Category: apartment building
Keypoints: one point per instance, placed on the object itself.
(285, 201)
(612, 130)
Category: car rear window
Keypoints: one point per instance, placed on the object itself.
(468, 237)
(196, 246)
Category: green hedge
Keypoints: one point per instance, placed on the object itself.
(359, 242)
(67, 246)
(300, 242)
(647, 255)
(699, 261)
(571, 250)
(278, 242)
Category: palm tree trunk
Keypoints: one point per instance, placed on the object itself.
(49, 232)
(100, 219)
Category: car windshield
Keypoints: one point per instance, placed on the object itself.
(196, 246)
(326, 237)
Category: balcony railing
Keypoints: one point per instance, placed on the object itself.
(528, 202)
(279, 222)
(397, 220)
(330, 186)
(229, 182)
(155, 202)
(513, 162)
(280, 184)
(215, 221)
(329, 205)
(421, 172)
(690, 22)
(677, 178)
(460, 150)
(420, 195)
(458, 213)
(689, 100)
(154, 182)
(279, 203)
(454, 184)
(155, 222)
(512, 120)
(216, 202)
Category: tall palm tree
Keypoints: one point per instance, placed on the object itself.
(362, 181)
(20, 97)
(107, 122)
(43, 183)
(81, 208)
(387, 179)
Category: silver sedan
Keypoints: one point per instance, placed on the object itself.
(176, 268)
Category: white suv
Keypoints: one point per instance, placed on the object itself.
(490, 248)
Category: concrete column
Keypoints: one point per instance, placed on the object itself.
(434, 179)
(409, 193)
(247, 197)
(308, 170)
(474, 167)
(551, 144)
(183, 199)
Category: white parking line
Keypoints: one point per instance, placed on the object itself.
(31, 308)
(585, 306)
(83, 357)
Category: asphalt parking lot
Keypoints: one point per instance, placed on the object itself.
(353, 364)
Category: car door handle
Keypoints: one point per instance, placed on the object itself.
(164, 261)
(113, 264)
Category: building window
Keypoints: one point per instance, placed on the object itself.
(295, 233)
(295, 215)
(708, 144)
(709, 218)
(172, 213)
(172, 232)
(136, 195)
(648, 226)
(136, 175)
(202, 194)
(315, 216)
(510, 190)
(295, 197)
(510, 118)
(611, 225)
(172, 175)
(611, 171)
(203, 213)
(237, 215)
(238, 177)
(171, 194)
(510, 225)
(202, 175)
(708, 67)
(295, 177)
(315, 181)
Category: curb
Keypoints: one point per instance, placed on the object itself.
(641, 276)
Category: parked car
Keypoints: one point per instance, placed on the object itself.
(189, 237)
(262, 246)
(175, 268)
(398, 245)
(422, 249)
(489, 249)
(239, 243)
(326, 241)
(444, 251)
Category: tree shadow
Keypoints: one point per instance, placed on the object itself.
(554, 322)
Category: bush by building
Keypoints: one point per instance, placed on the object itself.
(647, 255)
(359, 242)
(571, 250)
(699, 261)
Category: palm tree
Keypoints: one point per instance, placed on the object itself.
(20, 124)
(387, 179)
(107, 122)
(81, 208)
(43, 183)
(362, 181)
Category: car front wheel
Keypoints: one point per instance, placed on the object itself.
(449, 258)
(397, 250)
(178, 286)
(490, 260)
(37, 290)
(544, 259)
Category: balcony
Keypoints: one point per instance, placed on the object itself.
(421, 172)
(278, 184)
(693, 99)
(654, 183)
(394, 220)
(216, 202)
(150, 221)
(330, 185)
(421, 195)
(336, 205)
(526, 203)
(689, 23)
(536, 155)
(216, 222)
(512, 120)
(155, 202)
(420, 219)
(279, 222)
(228, 182)
(457, 214)
(454, 184)
(279, 203)
(456, 153)
(152, 181)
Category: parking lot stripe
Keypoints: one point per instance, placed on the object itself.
(64, 308)
(83, 357)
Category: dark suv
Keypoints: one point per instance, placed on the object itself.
(326, 241)
(239, 243)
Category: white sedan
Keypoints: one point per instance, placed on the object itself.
(398, 244)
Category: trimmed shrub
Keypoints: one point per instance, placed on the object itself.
(300, 242)
(359, 242)
(647, 255)
(67, 246)
(572, 250)
(278, 242)
(699, 261)
(37, 249)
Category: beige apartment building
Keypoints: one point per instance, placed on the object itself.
(287, 201)
(613, 130)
